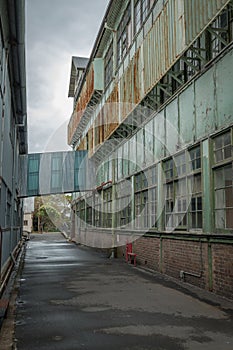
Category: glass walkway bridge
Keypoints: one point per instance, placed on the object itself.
(54, 173)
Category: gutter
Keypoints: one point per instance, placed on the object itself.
(16, 13)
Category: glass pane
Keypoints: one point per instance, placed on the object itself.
(56, 180)
(227, 152)
(229, 197)
(199, 220)
(199, 203)
(198, 163)
(193, 204)
(195, 156)
(197, 184)
(227, 139)
(181, 187)
(220, 218)
(33, 165)
(220, 199)
(219, 180)
(56, 163)
(184, 205)
(218, 155)
(33, 182)
(229, 218)
(228, 175)
(193, 220)
(179, 206)
(218, 142)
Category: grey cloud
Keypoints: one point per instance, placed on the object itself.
(56, 30)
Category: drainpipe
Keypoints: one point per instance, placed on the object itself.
(184, 273)
(3, 112)
(114, 217)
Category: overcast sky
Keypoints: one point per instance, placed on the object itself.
(56, 30)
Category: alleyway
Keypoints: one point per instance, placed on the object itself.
(72, 298)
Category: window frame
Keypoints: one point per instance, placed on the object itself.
(216, 167)
(178, 211)
(145, 206)
(124, 35)
(108, 65)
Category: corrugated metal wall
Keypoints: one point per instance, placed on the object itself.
(85, 96)
(197, 15)
(179, 23)
(176, 26)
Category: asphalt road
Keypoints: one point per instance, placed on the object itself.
(73, 298)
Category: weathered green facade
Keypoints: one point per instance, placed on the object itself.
(160, 135)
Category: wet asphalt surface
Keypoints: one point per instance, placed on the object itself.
(73, 298)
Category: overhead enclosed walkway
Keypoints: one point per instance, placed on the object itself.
(71, 297)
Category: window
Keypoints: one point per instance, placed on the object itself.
(180, 163)
(123, 202)
(169, 204)
(89, 209)
(108, 73)
(25, 223)
(168, 169)
(141, 11)
(195, 158)
(219, 33)
(137, 16)
(56, 172)
(222, 147)
(146, 199)
(107, 208)
(142, 209)
(97, 209)
(124, 36)
(82, 212)
(196, 203)
(181, 203)
(183, 191)
(33, 173)
(223, 181)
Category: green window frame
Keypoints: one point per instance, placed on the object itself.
(223, 180)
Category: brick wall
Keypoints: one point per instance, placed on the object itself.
(222, 257)
(172, 255)
(148, 251)
(187, 256)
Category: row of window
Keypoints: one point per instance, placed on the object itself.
(125, 33)
(182, 207)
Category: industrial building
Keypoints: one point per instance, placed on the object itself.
(153, 108)
(13, 130)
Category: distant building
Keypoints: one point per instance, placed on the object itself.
(154, 110)
(13, 128)
(28, 222)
